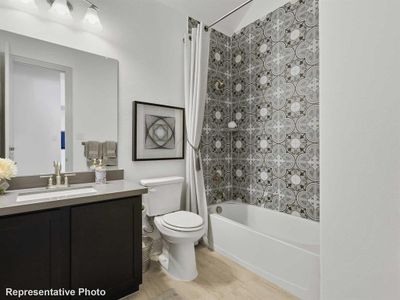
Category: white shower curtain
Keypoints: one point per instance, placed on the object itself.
(196, 71)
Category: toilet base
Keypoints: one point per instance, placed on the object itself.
(179, 261)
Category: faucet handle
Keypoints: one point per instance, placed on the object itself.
(66, 183)
(50, 181)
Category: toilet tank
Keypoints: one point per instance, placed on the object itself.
(164, 195)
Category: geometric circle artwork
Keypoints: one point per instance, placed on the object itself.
(160, 132)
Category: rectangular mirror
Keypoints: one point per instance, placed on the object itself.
(57, 104)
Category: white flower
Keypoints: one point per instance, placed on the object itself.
(8, 169)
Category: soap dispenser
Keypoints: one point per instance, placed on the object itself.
(100, 173)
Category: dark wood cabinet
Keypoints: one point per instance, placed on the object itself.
(104, 247)
(93, 246)
(32, 251)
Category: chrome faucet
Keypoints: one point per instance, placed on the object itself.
(57, 174)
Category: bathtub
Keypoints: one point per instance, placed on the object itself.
(281, 248)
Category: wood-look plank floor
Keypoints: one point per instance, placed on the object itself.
(219, 278)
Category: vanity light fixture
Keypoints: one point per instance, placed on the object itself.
(91, 18)
(61, 8)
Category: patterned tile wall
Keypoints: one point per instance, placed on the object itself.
(275, 91)
(216, 139)
(270, 76)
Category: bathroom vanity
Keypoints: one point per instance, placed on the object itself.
(70, 237)
(90, 240)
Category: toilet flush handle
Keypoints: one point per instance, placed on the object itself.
(152, 190)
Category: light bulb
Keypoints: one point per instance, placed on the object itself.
(60, 8)
(92, 18)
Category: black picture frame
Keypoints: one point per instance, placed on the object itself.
(135, 128)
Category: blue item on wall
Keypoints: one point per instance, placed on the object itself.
(62, 140)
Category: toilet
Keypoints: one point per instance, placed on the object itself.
(179, 229)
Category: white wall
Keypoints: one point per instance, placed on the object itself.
(360, 146)
(209, 11)
(258, 9)
(146, 38)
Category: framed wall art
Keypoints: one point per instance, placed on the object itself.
(158, 131)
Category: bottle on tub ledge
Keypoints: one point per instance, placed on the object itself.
(100, 172)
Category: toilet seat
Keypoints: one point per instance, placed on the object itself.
(182, 221)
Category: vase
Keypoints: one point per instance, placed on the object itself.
(3, 186)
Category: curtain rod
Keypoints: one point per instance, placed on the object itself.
(227, 15)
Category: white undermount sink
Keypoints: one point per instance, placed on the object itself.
(55, 194)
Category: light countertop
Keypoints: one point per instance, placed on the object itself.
(116, 189)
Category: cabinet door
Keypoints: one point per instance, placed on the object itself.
(32, 251)
(106, 246)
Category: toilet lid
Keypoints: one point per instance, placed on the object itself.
(183, 220)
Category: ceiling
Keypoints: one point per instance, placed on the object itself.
(210, 10)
